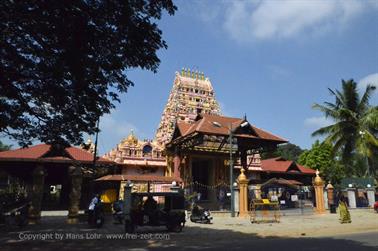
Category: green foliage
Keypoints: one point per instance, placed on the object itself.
(288, 151)
(4, 147)
(356, 123)
(320, 157)
(64, 63)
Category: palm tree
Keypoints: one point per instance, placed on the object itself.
(356, 122)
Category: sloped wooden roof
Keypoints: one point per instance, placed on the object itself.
(42, 153)
(281, 165)
(220, 125)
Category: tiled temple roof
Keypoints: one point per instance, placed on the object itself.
(41, 153)
(220, 125)
(281, 165)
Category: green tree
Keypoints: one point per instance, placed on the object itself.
(63, 64)
(288, 151)
(4, 147)
(320, 157)
(356, 123)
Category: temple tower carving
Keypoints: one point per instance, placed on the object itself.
(192, 93)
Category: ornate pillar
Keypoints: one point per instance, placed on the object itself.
(330, 189)
(75, 194)
(243, 194)
(176, 165)
(168, 171)
(319, 196)
(36, 194)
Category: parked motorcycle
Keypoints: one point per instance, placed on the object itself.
(118, 214)
(16, 214)
(200, 215)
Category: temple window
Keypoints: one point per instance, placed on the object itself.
(147, 149)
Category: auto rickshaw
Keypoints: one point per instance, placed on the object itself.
(144, 210)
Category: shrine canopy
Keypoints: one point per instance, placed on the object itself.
(45, 153)
(211, 133)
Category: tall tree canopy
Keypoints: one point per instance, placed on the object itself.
(320, 157)
(63, 63)
(288, 151)
(356, 122)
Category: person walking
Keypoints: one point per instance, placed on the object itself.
(343, 210)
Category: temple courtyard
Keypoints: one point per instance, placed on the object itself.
(297, 230)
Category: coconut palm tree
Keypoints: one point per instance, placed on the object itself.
(355, 122)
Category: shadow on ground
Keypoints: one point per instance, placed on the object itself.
(192, 238)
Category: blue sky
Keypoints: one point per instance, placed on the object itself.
(270, 60)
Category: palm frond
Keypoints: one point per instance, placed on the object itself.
(327, 111)
(364, 102)
(370, 119)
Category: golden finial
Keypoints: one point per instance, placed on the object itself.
(318, 181)
(242, 176)
(182, 71)
(188, 72)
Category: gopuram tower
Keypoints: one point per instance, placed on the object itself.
(192, 93)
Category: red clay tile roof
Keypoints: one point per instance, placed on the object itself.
(183, 127)
(281, 165)
(33, 152)
(120, 177)
(37, 153)
(220, 125)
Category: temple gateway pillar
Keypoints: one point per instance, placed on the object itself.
(319, 193)
(243, 194)
(371, 196)
(76, 180)
(352, 197)
(37, 194)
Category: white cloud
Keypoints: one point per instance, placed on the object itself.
(317, 122)
(371, 79)
(250, 20)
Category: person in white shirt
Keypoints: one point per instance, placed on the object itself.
(91, 208)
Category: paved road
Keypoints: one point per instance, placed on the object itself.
(190, 239)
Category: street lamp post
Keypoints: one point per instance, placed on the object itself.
(231, 175)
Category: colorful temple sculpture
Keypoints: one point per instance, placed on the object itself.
(141, 162)
(138, 157)
(192, 93)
